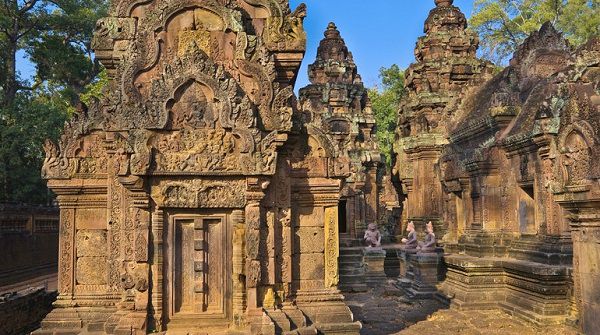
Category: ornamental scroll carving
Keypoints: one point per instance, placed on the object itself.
(74, 156)
(331, 247)
(284, 30)
(66, 252)
(202, 194)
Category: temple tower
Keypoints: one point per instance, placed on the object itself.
(337, 102)
(446, 66)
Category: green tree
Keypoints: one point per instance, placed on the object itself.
(23, 129)
(504, 24)
(385, 101)
(55, 36)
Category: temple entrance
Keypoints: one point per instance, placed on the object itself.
(342, 217)
(199, 270)
(526, 209)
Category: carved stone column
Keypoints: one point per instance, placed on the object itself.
(253, 216)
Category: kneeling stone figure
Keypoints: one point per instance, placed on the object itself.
(430, 242)
(411, 241)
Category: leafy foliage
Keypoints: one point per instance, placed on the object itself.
(23, 129)
(56, 37)
(504, 24)
(385, 102)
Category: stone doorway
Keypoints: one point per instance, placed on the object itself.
(343, 217)
(199, 268)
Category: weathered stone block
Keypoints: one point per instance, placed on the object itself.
(91, 218)
(310, 239)
(310, 217)
(91, 270)
(91, 243)
(311, 266)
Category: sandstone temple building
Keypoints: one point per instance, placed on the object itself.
(506, 167)
(201, 196)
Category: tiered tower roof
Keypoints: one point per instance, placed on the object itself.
(446, 64)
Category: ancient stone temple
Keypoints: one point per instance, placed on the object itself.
(446, 66)
(336, 105)
(509, 160)
(194, 197)
(509, 167)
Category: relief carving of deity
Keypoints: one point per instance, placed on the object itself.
(576, 159)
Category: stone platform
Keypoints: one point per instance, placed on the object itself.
(536, 292)
(22, 311)
(387, 310)
(490, 322)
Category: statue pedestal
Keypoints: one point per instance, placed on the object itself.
(374, 259)
(420, 272)
(327, 312)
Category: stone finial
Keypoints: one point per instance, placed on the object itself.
(444, 3)
(332, 31)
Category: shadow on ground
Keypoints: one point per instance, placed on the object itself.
(385, 310)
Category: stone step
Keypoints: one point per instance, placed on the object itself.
(350, 266)
(350, 271)
(356, 287)
(340, 328)
(348, 242)
(190, 325)
(280, 319)
(349, 279)
(351, 251)
(351, 259)
(296, 316)
(303, 331)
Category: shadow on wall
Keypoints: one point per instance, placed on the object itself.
(29, 240)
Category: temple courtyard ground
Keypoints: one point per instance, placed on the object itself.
(386, 311)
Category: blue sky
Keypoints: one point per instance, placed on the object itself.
(378, 32)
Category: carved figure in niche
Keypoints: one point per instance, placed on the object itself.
(422, 124)
(121, 164)
(410, 242)
(191, 108)
(430, 242)
(372, 236)
(268, 160)
(550, 179)
(404, 126)
(577, 159)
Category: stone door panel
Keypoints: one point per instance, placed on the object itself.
(199, 268)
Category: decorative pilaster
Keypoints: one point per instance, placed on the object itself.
(253, 216)
(331, 247)
(157, 289)
(66, 281)
(239, 271)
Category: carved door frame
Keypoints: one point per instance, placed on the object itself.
(206, 318)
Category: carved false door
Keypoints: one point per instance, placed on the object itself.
(200, 267)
